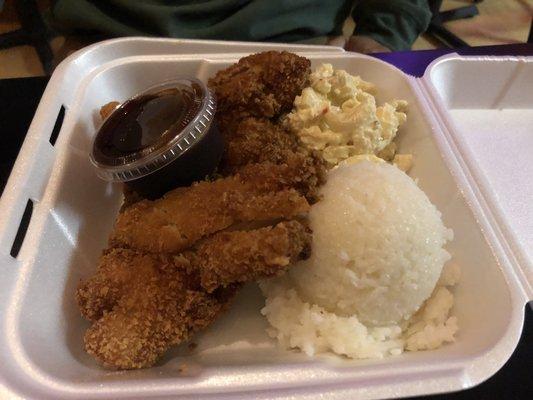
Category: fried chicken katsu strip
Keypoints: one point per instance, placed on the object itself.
(233, 256)
(259, 140)
(243, 256)
(260, 85)
(144, 325)
(144, 303)
(256, 140)
(259, 192)
(157, 309)
(119, 270)
(168, 227)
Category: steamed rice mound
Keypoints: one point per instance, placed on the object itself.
(377, 255)
(377, 246)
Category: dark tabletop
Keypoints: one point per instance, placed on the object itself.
(20, 97)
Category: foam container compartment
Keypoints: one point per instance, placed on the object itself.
(469, 128)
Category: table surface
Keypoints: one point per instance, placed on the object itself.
(513, 381)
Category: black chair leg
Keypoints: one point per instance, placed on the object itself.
(458, 13)
(13, 38)
(38, 34)
(436, 28)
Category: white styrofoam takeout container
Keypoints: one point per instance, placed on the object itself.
(470, 130)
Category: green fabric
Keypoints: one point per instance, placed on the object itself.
(247, 20)
(395, 24)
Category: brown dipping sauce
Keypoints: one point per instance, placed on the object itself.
(148, 125)
(143, 123)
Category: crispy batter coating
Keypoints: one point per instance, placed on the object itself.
(261, 85)
(130, 197)
(143, 303)
(256, 140)
(304, 171)
(107, 109)
(301, 171)
(164, 225)
(244, 256)
(156, 310)
(251, 95)
(146, 322)
(259, 192)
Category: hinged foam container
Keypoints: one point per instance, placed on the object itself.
(470, 129)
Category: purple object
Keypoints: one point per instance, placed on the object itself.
(415, 62)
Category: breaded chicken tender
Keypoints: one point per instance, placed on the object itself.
(259, 192)
(252, 95)
(144, 303)
(261, 85)
(243, 256)
(174, 264)
(255, 140)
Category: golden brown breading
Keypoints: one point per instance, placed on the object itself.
(304, 172)
(119, 270)
(259, 192)
(107, 109)
(143, 303)
(168, 225)
(130, 197)
(243, 256)
(144, 324)
(156, 310)
(260, 85)
(256, 140)
(157, 306)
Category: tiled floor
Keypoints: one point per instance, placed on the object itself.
(499, 22)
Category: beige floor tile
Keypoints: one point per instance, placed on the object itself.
(424, 42)
(20, 62)
(498, 22)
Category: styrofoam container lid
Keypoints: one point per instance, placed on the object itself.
(469, 130)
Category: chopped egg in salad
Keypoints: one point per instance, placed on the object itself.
(338, 116)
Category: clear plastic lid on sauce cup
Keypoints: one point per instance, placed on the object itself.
(160, 139)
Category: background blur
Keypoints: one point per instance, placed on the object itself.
(498, 22)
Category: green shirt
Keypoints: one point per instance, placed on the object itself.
(393, 23)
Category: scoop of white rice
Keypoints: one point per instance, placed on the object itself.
(377, 255)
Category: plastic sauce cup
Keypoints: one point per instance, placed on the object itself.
(160, 139)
